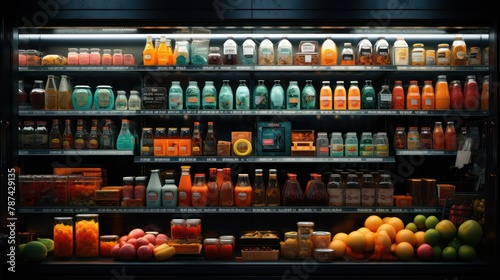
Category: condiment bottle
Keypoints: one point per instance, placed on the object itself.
(340, 97)
(353, 97)
(153, 189)
(428, 98)
(418, 54)
(67, 136)
(325, 96)
(368, 96)
(450, 137)
(316, 195)
(347, 56)
(243, 191)
(443, 55)
(169, 192)
(227, 189)
(398, 96)
(55, 136)
(134, 100)
(292, 192)
(273, 194)
(442, 94)
(438, 136)
(352, 190)
(196, 141)
(209, 143)
(258, 189)
(87, 235)
(213, 188)
(471, 94)
(413, 98)
(368, 190)
(199, 191)
(336, 190)
(121, 102)
(185, 184)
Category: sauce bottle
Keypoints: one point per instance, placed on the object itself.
(67, 137)
(485, 93)
(398, 96)
(401, 55)
(55, 136)
(450, 137)
(243, 191)
(325, 96)
(456, 95)
(292, 192)
(340, 97)
(368, 190)
(368, 96)
(328, 52)
(428, 98)
(459, 51)
(308, 96)
(153, 189)
(273, 194)
(212, 188)
(413, 97)
(185, 184)
(438, 136)
(209, 144)
(199, 191)
(442, 93)
(352, 190)
(226, 190)
(259, 189)
(148, 53)
(336, 190)
(347, 56)
(196, 141)
(471, 94)
(353, 97)
(316, 194)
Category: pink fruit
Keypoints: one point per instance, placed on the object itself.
(425, 252)
(123, 238)
(136, 233)
(127, 252)
(132, 241)
(162, 236)
(151, 238)
(160, 239)
(145, 253)
(152, 246)
(141, 241)
(115, 251)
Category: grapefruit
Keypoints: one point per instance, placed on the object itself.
(470, 232)
(446, 229)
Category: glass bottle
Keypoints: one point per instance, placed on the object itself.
(28, 135)
(273, 194)
(242, 96)
(258, 189)
(277, 96)
(87, 235)
(308, 96)
(55, 137)
(226, 190)
(428, 98)
(368, 189)
(225, 96)
(93, 138)
(485, 94)
(51, 94)
(125, 139)
(196, 141)
(322, 145)
(117, 57)
(366, 145)
(213, 188)
(41, 135)
(398, 96)
(164, 54)
(95, 56)
(63, 237)
(316, 194)
(292, 192)
(284, 52)
(336, 144)
(83, 56)
(353, 97)
(325, 96)
(384, 98)
(336, 190)
(209, 143)
(438, 136)
(185, 185)
(385, 191)
(37, 96)
(153, 189)
(340, 97)
(106, 141)
(471, 94)
(249, 50)
(209, 96)
(22, 96)
(261, 96)
(266, 52)
(80, 138)
(413, 97)
(426, 138)
(450, 137)
(121, 102)
(199, 191)
(243, 191)
(134, 101)
(229, 52)
(442, 93)
(293, 96)
(381, 144)
(104, 98)
(67, 136)
(175, 96)
(352, 190)
(459, 51)
(347, 56)
(365, 51)
(147, 142)
(64, 94)
(368, 96)
(214, 57)
(381, 52)
(128, 187)
(351, 145)
(400, 138)
(193, 95)
(413, 138)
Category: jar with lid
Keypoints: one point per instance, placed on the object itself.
(413, 138)
(37, 96)
(400, 138)
(382, 53)
(226, 247)
(211, 248)
(381, 144)
(365, 51)
(438, 136)
(128, 187)
(459, 51)
(140, 188)
(401, 55)
(178, 228)
(475, 56)
(209, 96)
(107, 57)
(230, 52)
(418, 54)
(117, 57)
(443, 55)
(104, 98)
(321, 239)
(95, 56)
(87, 235)
(193, 229)
(385, 191)
(106, 243)
(289, 248)
(284, 52)
(72, 56)
(322, 145)
(63, 237)
(121, 102)
(426, 138)
(214, 57)
(134, 100)
(83, 56)
(266, 52)
(430, 57)
(32, 57)
(471, 94)
(347, 56)
(41, 135)
(352, 190)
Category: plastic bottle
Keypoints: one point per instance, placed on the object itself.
(438, 136)
(485, 93)
(121, 102)
(134, 101)
(209, 96)
(104, 98)
(273, 194)
(175, 96)
(413, 97)
(226, 190)
(340, 96)
(325, 96)
(50, 94)
(277, 96)
(266, 52)
(353, 97)
(64, 94)
(293, 96)
(259, 189)
(243, 191)
(199, 191)
(366, 145)
(284, 52)
(185, 185)
(322, 145)
(153, 189)
(125, 140)
(308, 96)
(459, 51)
(401, 55)
(328, 54)
(351, 145)
(471, 94)
(336, 145)
(226, 96)
(193, 96)
(261, 96)
(368, 96)
(249, 49)
(242, 96)
(398, 96)
(384, 98)
(442, 93)
(148, 53)
(428, 97)
(212, 188)
(347, 56)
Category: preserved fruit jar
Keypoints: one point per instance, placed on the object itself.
(87, 235)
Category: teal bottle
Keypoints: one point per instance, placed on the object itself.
(277, 96)
(308, 96)
(193, 95)
(242, 96)
(82, 98)
(293, 96)
(175, 96)
(209, 96)
(225, 96)
(125, 140)
(104, 98)
(261, 96)
(368, 96)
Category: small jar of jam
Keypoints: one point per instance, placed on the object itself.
(178, 228)
(400, 138)
(226, 247)
(193, 229)
(106, 243)
(211, 248)
(214, 57)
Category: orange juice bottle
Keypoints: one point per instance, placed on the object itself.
(329, 52)
(354, 97)
(442, 94)
(325, 96)
(148, 54)
(398, 96)
(199, 191)
(164, 54)
(339, 97)
(413, 97)
(185, 185)
(428, 96)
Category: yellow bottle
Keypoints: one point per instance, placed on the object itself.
(339, 97)
(148, 54)
(164, 52)
(354, 97)
(325, 96)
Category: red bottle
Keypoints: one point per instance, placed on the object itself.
(398, 96)
(456, 95)
(471, 93)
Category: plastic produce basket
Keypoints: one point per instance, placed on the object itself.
(460, 207)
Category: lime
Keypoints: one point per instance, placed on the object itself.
(432, 237)
(419, 221)
(35, 251)
(412, 226)
(438, 252)
(455, 243)
(449, 253)
(431, 222)
(466, 253)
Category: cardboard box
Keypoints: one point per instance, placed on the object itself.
(273, 138)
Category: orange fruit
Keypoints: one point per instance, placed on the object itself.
(385, 219)
(396, 222)
(364, 230)
(356, 241)
(420, 237)
(373, 222)
(390, 230)
(370, 242)
(339, 249)
(406, 235)
(404, 251)
(340, 236)
(382, 239)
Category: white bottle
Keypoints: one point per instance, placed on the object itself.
(400, 50)
(134, 100)
(121, 101)
(169, 194)
(249, 56)
(153, 190)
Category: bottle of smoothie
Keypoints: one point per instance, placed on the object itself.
(148, 54)
(456, 95)
(438, 136)
(428, 96)
(340, 97)
(398, 96)
(185, 185)
(413, 98)
(353, 97)
(325, 96)
(471, 94)
(328, 52)
(442, 93)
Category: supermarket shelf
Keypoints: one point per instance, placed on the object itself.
(38, 113)
(263, 159)
(45, 152)
(425, 153)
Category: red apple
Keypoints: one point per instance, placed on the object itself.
(145, 253)
(425, 252)
(136, 233)
(141, 241)
(151, 238)
(127, 252)
(115, 251)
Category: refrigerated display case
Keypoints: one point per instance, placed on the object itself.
(126, 26)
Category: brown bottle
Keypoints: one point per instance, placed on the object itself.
(67, 136)
(55, 137)
(196, 141)
(316, 195)
(227, 189)
(209, 144)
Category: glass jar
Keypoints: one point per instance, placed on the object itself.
(385, 191)
(175, 96)
(95, 56)
(63, 237)
(305, 227)
(121, 102)
(289, 246)
(400, 138)
(134, 101)
(83, 56)
(193, 95)
(211, 248)
(321, 239)
(37, 96)
(106, 243)
(226, 247)
(214, 57)
(72, 56)
(87, 235)
(117, 57)
(418, 54)
(413, 138)
(107, 57)
(104, 98)
(430, 57)
(22, 96)
(193, 229)
(178, 229)
(475, 56)
(425, 138)
(443, 55)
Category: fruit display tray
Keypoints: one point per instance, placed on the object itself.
(186, 249)
(462, 206)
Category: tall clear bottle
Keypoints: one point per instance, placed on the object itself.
(51, 93)
(125, 139)
(226, 96)
(164, 54)
(277, 96)
(153, 189)
(293, 96)
(209, 96)
(259, 189)
(22, 95)
(336, 190)
(273, 194)
(242, 96)
(368, 190)
(352, 190)
(385, 191)
(308, 96)
(193, 95)
(485, 93)
(261, 96)
(64, 94)
(175, 96)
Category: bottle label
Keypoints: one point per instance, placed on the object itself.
(196, 196)
(336, 196)
(183, 195)
(152, 196)
(352, 196)
(385, 196)
(168, 196)
(242, 196)
(368, 197)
